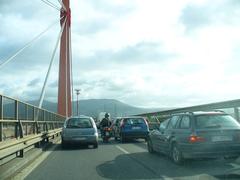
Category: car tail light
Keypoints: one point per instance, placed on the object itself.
(107, 129)
(194, 138)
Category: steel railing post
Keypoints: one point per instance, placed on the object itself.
(34, 124)
(1, 117)
(45, 125)
(17, 129)
(20, 127)
(36, 117)
(46, 122)
(36, 128)
(26, 113)
(19, 121)
(43, 120)
(236, 114)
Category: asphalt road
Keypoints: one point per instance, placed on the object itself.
(125, 161)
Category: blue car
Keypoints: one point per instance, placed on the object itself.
(131, 128)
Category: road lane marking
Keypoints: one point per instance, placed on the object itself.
(27, 170)
(123, 150)
(143, 164)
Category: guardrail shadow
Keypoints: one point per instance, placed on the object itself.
(156, 166)
(112, 141)
(76, 146)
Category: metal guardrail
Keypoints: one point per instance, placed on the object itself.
(23, 125)
(225, 106)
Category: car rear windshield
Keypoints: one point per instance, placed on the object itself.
(79, 123)
(215, 121)
(133, 121)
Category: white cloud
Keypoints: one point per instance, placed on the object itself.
(145, 53)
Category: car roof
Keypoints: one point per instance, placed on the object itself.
(131, 117)
(202, 113)
(81, 116)
(117, 118)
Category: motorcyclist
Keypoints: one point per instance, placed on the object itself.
(105, 123)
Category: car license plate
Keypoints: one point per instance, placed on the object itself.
(221, 138)
(136, 127)
(107, 133)
(80, 138)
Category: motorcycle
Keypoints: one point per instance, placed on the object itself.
(106, 135)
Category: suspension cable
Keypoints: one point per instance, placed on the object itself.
(70, 58)
(50, 66)
(60, 1)
(66, 71)
(51, 4)
(28, 44)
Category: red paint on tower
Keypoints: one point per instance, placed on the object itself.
(64, 84)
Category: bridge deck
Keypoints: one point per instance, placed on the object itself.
(121, 161)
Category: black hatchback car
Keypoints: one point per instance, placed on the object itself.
(197, 135)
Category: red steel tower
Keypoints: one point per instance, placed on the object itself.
(64, 83)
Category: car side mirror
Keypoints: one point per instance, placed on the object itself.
(153, 127)
(161, 130)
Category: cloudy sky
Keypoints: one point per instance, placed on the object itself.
(147, 53)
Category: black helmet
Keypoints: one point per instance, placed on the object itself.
(106, 115)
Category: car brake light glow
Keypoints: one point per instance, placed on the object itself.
(194, 138)
(107, 129)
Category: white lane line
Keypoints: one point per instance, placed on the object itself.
(126, 152)
(27, 170)
(123, 150)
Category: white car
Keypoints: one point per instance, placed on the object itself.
(80, 130)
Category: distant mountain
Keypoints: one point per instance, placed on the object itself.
(50, 106)
(92, 107)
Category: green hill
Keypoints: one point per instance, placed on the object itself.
(92, 107)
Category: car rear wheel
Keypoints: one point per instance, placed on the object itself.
(63, 144)
(150, 146)
(95, 145)
(177, 155)
(122, 138)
